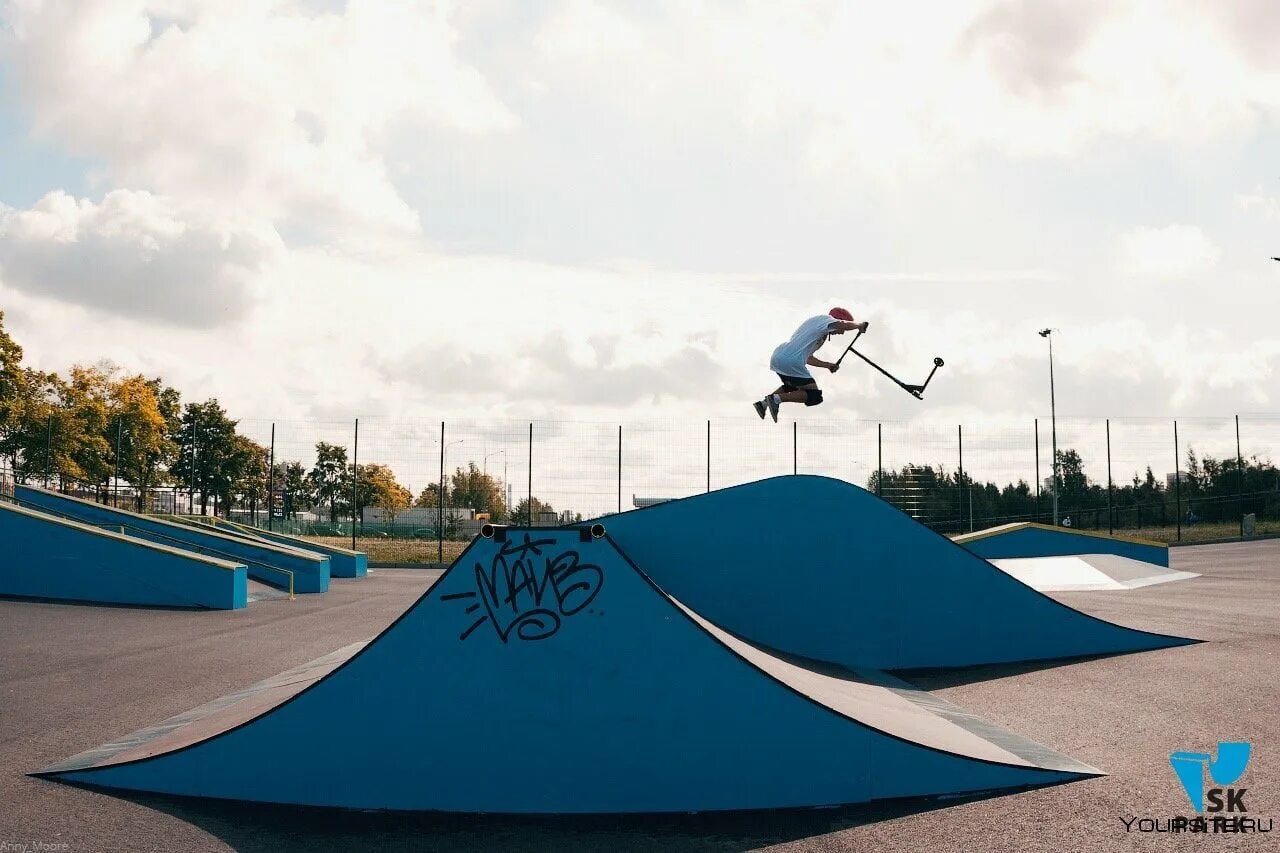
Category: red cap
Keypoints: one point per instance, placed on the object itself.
(841, 314)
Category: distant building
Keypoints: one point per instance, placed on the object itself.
(1171, 480)
(418, 516)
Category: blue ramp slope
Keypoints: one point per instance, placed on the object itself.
(42, 556)
(265, 561)
(820, 568)
(546, 674)
(1028, 539)
(343, 562)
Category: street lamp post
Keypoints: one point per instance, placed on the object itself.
(115, 481)
(1053, 418)
(503, 454)
(444, 455)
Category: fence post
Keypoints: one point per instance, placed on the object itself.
(440, 503)
(529, 513)
(708, 455)
(355, 483)
(1110, 486)
(271, 481)
(1177, 481)
(191, 492)
(619, 467)
(48, 453)
(879, 459)
(795, 448)
(1240, 477)
(960, 482)
(1037, 429)
(115, 480)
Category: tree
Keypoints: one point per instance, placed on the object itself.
(297, 487)
(472, 488)
(292, 487)
(520, 514)
(209, 455)
(1074, 482)
(141, 421)
(247, 470)
(378, 487)
(16, 397)
(75, 421)
(330, 478)
(429, 497)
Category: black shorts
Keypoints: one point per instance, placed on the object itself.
(796, 382)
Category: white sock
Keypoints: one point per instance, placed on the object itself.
(775, 398)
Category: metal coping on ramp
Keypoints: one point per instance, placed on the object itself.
(637, 704)
(1002, 529)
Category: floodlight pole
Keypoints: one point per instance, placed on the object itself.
(1053, 418)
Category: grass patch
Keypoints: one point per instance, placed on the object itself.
(397, 550)
(1198, 532)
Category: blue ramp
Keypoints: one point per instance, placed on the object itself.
(818, 567)
(265, 561)
(42, 556)
(343, 562)
(544, 673)
(1028, 539)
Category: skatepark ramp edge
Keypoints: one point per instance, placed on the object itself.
(638, 703)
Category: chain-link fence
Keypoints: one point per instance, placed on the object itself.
(413, 491)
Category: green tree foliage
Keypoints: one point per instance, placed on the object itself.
(330, 479)
(378, 487)
(1210, 488)
(428, 497)
(81, 418)
(470, 487)
(209, 455)
(248, 466)
(19, 403)
(520, 514)
(298, 487)
(143, 413)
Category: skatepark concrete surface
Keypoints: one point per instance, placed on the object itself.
(75, 676)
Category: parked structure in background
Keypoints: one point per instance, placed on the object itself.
(641, 503)
(418, 516)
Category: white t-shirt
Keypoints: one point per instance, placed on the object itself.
(789, 358)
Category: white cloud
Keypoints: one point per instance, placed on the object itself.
(735, 132)
(254, 105)
(1168, 253)
(1266, 206)
(135, 255)
(896, 91)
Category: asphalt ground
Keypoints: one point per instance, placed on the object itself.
(74, 676)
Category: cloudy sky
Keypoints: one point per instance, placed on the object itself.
(591, 210)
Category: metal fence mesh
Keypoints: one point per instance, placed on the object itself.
(1116, 474)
